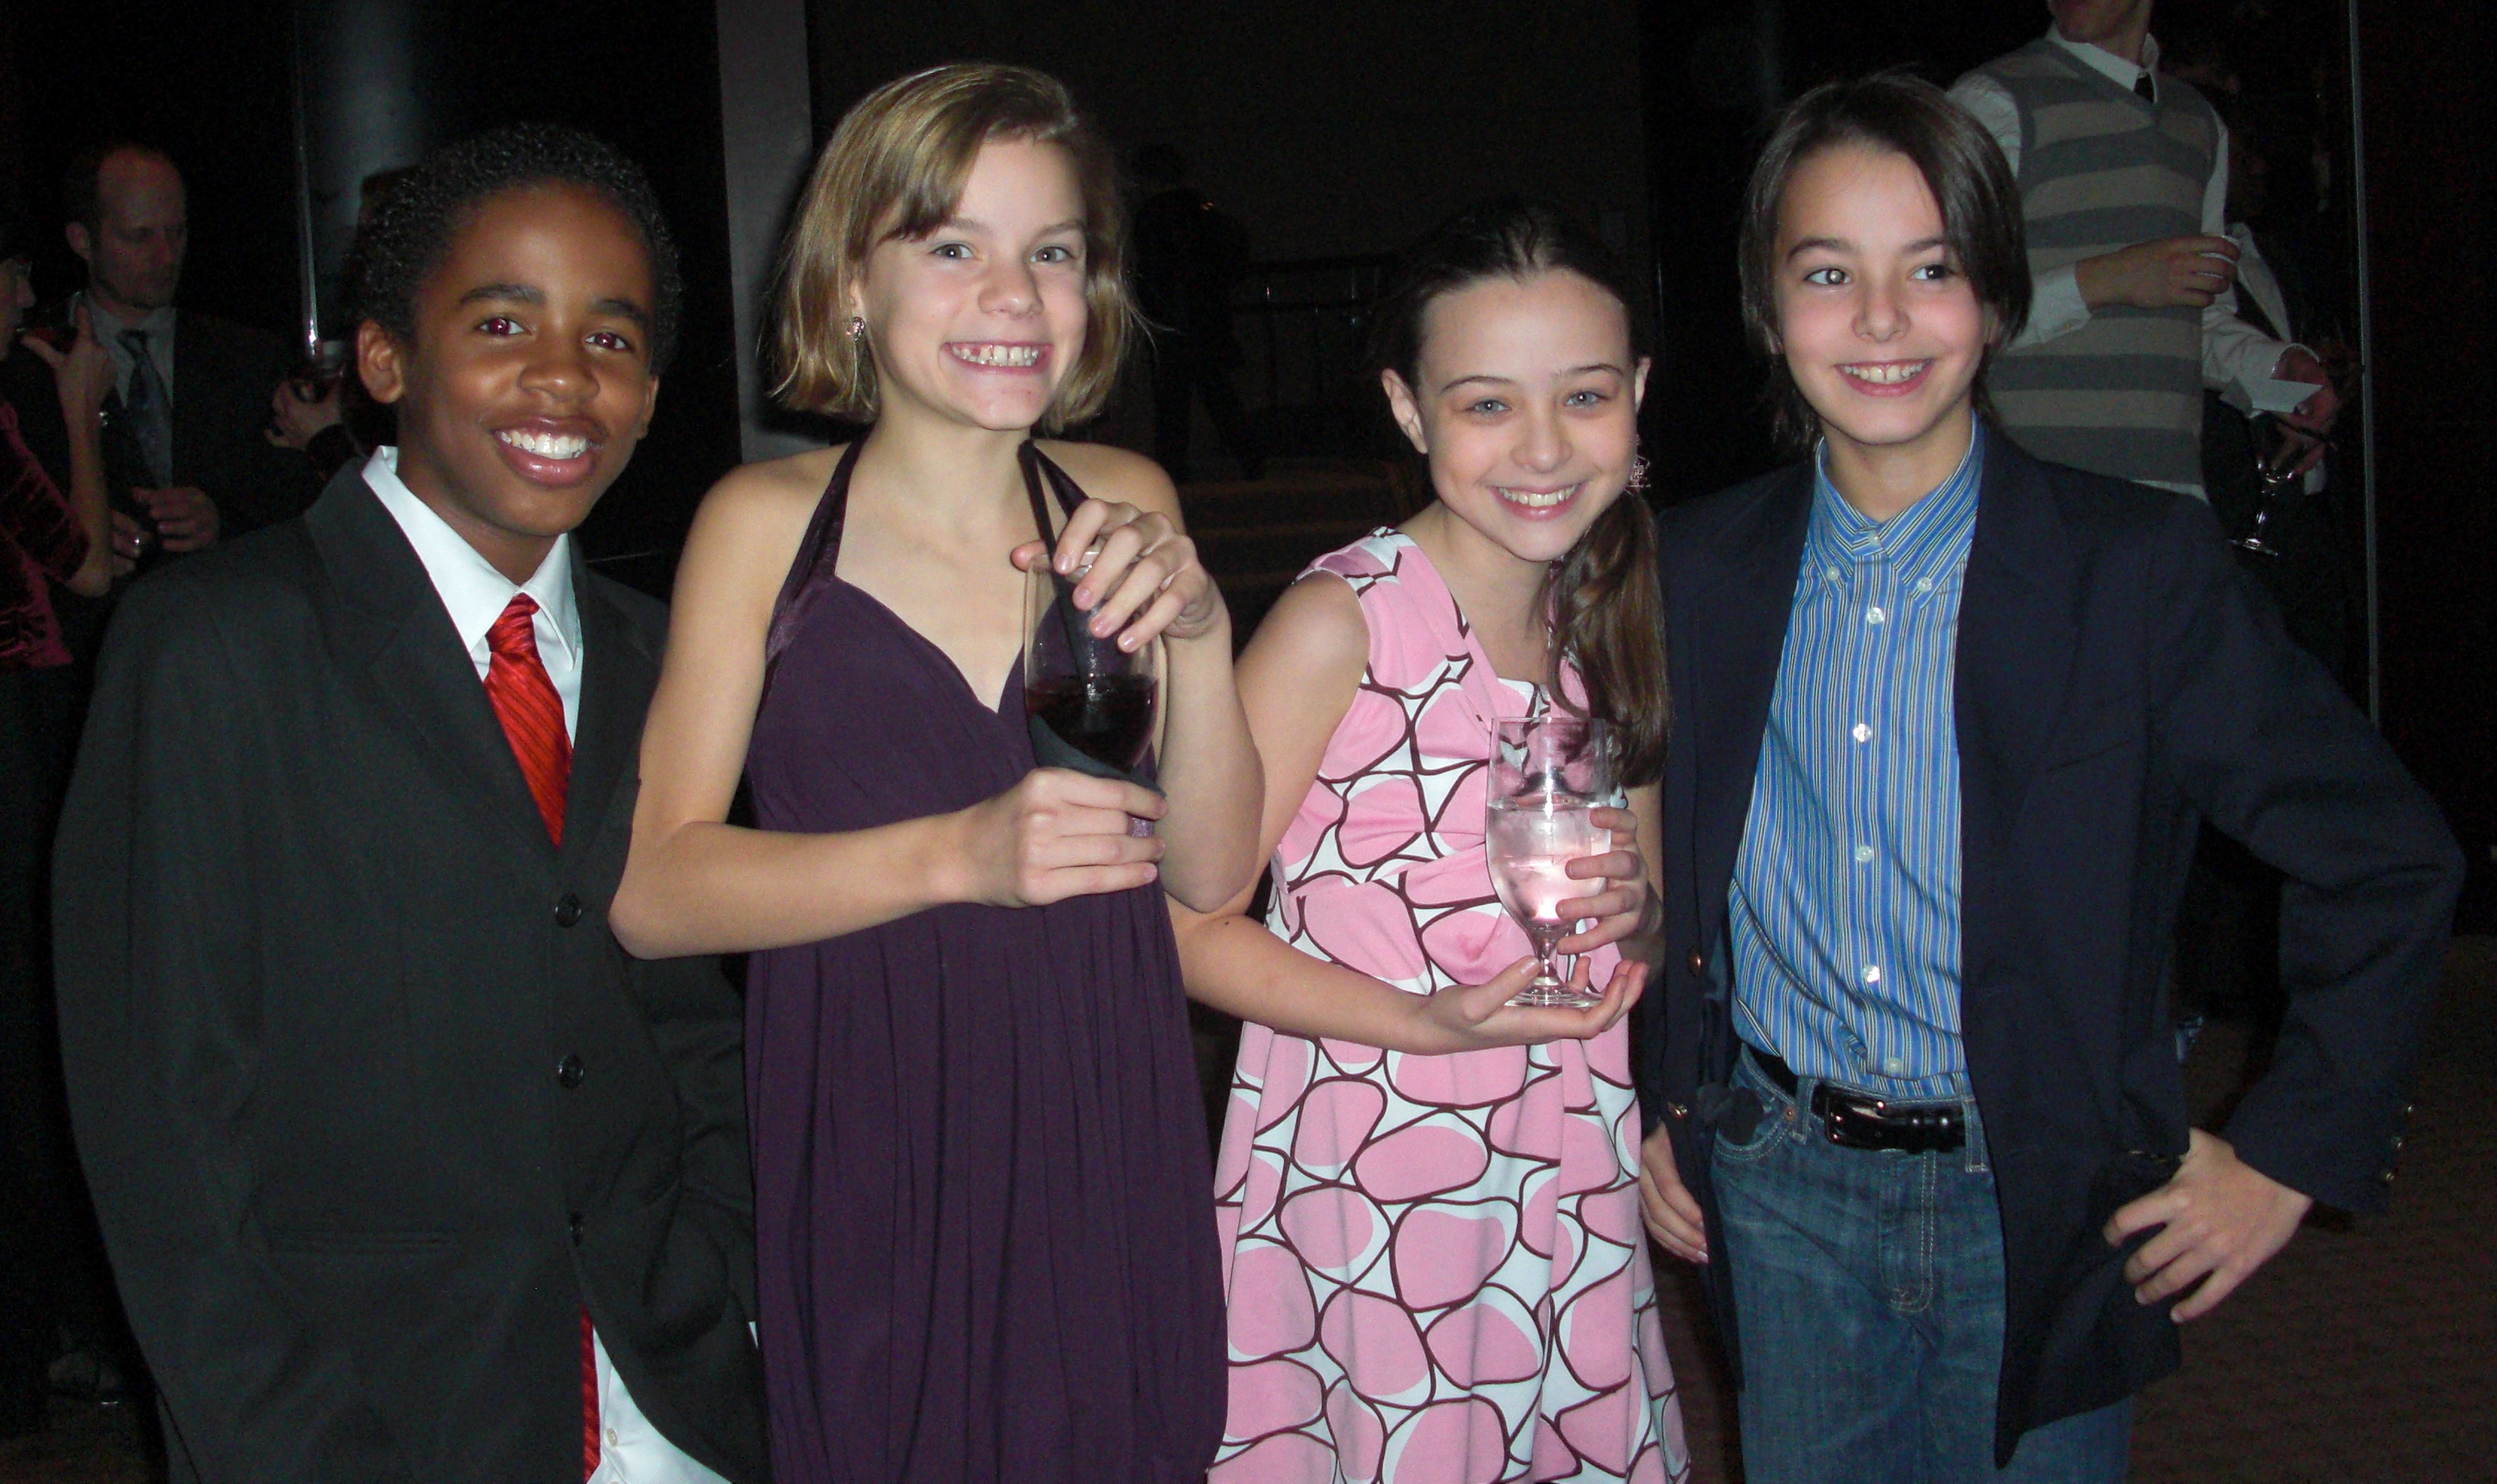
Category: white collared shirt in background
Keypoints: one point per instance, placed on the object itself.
(632, 1450)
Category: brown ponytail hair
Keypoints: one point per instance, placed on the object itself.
(1607, 614)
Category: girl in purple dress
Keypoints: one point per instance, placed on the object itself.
(984, 1251)
(1428, 1198)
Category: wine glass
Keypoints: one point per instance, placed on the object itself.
(1549, 774)
(2278, 473)
(1088, 704)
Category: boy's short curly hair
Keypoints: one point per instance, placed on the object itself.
(407, 234)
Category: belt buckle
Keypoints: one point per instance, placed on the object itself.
(1853, 1123)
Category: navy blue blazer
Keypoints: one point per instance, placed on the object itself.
(2117, 683)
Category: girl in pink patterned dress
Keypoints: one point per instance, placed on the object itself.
(1428, 1198)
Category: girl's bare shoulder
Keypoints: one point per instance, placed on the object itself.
(1107, 472)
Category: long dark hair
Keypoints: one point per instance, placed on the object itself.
(1607, 617)
(1962, 166)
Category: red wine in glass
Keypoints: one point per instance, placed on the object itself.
(1088, 704)
(1109, 718)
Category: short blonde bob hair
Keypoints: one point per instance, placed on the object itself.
(894, 168)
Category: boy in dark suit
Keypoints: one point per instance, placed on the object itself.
(407, 1171)
(1944, 720)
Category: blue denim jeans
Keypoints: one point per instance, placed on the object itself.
(1868, 1303)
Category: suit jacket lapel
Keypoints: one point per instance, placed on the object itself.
(394, 625)
(1739, 619)
(617, 674)
(2016, 639)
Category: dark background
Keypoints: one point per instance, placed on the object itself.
(209, 84)
(1343, 128)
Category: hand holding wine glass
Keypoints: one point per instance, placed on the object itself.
(1088, 697)
(1057, 834)
(1138, 577)
(1624, 906)
(1479, 1017)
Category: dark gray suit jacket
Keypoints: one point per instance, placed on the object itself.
(2116, 680)
(372, 1102)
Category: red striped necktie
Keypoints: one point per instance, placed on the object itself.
(525, 703)
(531, 713)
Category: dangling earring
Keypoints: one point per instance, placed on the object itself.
(857, 326)
(1637, 480)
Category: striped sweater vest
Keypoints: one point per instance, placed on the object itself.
(2103, 168)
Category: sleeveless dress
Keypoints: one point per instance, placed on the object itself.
(1436, 1268)
(983, 1245)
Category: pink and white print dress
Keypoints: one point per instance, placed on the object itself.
(1434, 1267)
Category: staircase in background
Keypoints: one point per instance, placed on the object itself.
(1256, 535)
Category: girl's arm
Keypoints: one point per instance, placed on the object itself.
(1297, 681)
(693, 884)
(1148, 578)
(82, 375)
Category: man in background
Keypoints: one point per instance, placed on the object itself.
(186, 455)
(2124, 180)
(1190, 254)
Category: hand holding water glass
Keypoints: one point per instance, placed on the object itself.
(1549, 774)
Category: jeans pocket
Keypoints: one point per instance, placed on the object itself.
(1775, 1122)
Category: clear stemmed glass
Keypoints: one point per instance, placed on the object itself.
(1549, 774)
(1089, 705)
(2279, 473)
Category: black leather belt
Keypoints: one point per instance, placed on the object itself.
(1855, 1120)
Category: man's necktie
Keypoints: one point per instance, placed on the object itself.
(2142, 89)
(525, 703)
(150, 410)
(531, 713)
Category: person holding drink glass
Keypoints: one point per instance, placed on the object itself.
(1428, 1185)
(984, 1249)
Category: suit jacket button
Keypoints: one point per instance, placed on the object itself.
(567, 910)
(572, 1223)
(2387, 1178)
(1677, 1110)
(1698, 964)
(568, 1071)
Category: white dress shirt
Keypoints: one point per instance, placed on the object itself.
(2261, 285)
(632, 1451)
(2235, 353)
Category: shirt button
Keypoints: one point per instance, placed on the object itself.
(611, 1437)
(1892, 1066)
(567, 910)
(1863, 853)
(1876, 615)
(1872, 973)
(1862, 732)
(1830, 573)
(1924, 584)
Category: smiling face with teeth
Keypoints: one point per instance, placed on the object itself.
(1878, 324)
(528, 382)
(1526, 409)
(977, 321)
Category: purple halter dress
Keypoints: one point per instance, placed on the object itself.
(985, 1241)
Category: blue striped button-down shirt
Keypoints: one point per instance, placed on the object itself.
(1844, 903)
